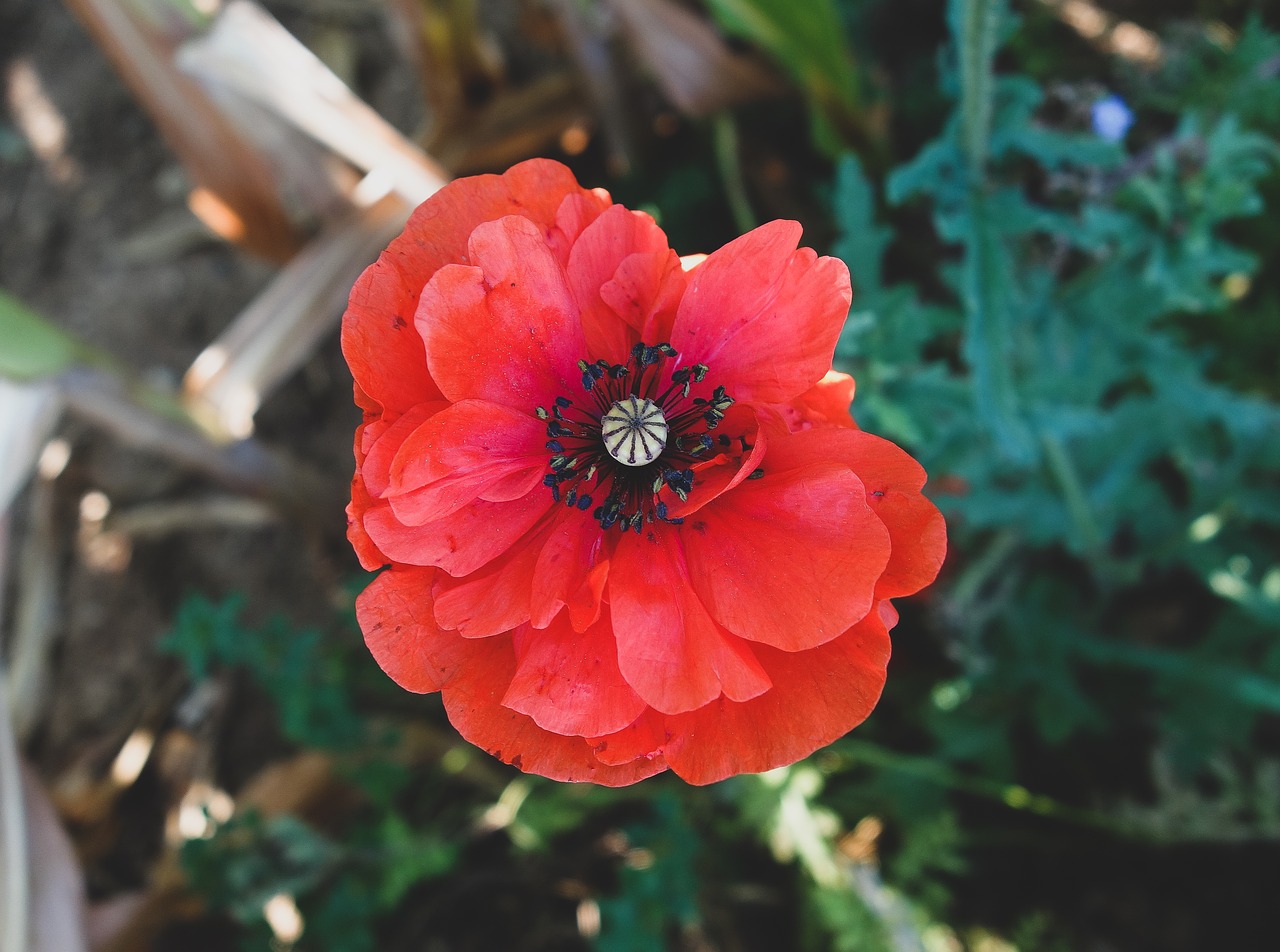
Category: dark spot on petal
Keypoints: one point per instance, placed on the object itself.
(518, 762)
(399, 323)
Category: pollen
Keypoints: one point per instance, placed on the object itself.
(634, 431)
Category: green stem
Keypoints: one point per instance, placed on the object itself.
(724, 131)
(1068, 479)
(965, 590)
(1011, 795)
(976, 24)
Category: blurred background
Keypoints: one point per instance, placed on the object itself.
(1059, 217)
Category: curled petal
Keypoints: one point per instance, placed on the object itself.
(572, 568)
(790, 559)
(382, 348)
(472, 699)
(669, 648)
(492, 599)
(825, 404)
(395, 615)
(818, 695)
(763, 315)
(507, 329)
(472, 450)
(623, 275)
(569, 682)
(892, 481)
(381, 452)
(462, 541)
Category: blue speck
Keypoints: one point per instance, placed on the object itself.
(1111, 118)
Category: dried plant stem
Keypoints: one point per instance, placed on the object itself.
(251, 55)
(282, 326)
(218, 155)
(38, 585)
(15, 896)
(155, 422)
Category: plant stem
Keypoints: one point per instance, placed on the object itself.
(724, 131)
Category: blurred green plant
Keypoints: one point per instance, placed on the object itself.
(1087, 460)
(808, 40)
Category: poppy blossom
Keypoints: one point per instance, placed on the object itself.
(627, 520)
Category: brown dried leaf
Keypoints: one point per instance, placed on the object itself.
(689, 59)
(218, 156)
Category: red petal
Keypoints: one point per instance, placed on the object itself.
(569, 682)
(817, 696)
(472, 450)
(791, 559)
(395, 615)
(506, 330)
(493, 599)
(825, 404)
(380, 453)
(893, 480)
(382, 347)
(616, 301)
(669, 649)
(384, 352)
(367, 552)
(644, 737)
(461, 542)
(472, 699)
(764, 316)
(572, 568)
(919, 537)
(720, 473)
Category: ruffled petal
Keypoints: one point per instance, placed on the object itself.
(825, 404)
(763, 315)
(384, 351)
(472, 450)
(572, 568)
(506, 330)
(472, 699)
(669, 649)
(381, 451)
(492, 599)
(790, 559)
(395, 615)
(892, 480)
(817, 696)
(461, 542)
(569, 682)
(618, 272)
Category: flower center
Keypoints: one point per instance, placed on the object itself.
(637, 431)
(634, 431)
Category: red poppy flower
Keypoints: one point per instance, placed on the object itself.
(629, 520)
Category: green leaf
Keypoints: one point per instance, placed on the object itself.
(862, 242)
(808, 40)
(33, 348)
